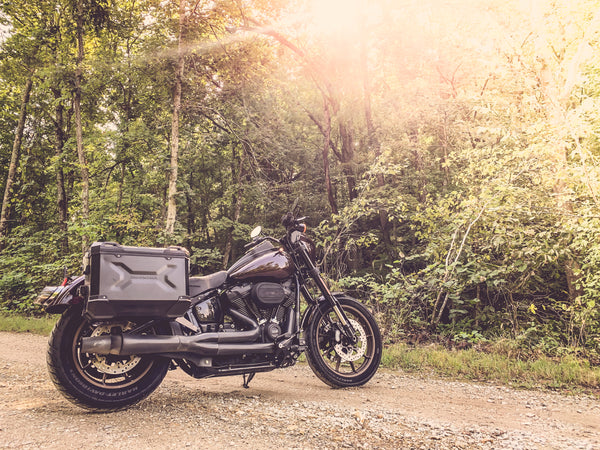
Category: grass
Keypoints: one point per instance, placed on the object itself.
(22, 324)
(496, 364)
(566, 373)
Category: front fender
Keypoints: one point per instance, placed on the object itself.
(58, 300)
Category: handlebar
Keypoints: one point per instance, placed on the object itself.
(292, 223)
(260, 240)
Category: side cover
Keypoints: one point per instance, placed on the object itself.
(136, 282)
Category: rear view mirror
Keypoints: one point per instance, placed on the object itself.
(256, 232)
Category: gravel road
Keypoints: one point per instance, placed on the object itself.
(289, 409)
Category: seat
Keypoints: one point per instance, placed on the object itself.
(199, 285)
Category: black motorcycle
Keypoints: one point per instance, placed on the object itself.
(135, 314)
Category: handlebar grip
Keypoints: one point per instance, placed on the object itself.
(300, 227)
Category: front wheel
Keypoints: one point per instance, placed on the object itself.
(99, 382)
(332, 358)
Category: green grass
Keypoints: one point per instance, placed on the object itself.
(566, 373)
(495, 364)
(22, 324)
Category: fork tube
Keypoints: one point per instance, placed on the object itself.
(297, 302)
(315, 274)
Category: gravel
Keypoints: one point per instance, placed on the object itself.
(290, 409)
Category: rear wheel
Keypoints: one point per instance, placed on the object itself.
(99, 382)
(335, 360)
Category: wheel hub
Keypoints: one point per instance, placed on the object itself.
(109, 364)
(353, 352)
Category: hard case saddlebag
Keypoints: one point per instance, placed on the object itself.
(136, 282)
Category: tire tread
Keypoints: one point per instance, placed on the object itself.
(315, 360)
(60, 379)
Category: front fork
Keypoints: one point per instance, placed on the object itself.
(315, 274)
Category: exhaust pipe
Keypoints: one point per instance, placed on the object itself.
(209, 344)
(140, 345)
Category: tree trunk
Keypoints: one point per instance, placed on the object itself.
(172, 193)
(14, 161)
(85, 179)
(325, 129)
(191, 213)
(237, 206)
(347, 155)
(61, 194)
(326, 139)
(374, 144)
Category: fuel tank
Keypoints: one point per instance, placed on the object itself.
(263, 263)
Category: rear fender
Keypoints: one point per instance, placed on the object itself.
(68, 295)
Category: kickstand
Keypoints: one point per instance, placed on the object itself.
(247, 379)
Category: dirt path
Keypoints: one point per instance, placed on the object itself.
(288, 408)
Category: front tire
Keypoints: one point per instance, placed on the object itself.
(337, 363)
(98, 382)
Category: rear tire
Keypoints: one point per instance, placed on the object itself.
(337, 363)
(98, 382)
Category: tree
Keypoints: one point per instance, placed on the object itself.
(171, 196)
(97, 16)
(449, 151)
(14, 160)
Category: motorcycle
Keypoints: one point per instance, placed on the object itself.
(104, 355)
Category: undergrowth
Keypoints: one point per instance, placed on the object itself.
(495, 365)
(21, 324)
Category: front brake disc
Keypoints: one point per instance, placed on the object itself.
(353, 352)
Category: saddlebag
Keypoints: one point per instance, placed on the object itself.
(135, 282)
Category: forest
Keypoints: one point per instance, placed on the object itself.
(446, 152)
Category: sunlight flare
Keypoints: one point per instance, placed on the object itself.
(342, 17)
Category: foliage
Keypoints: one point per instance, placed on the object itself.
(445, 152)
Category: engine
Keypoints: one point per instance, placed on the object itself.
(267, 303)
